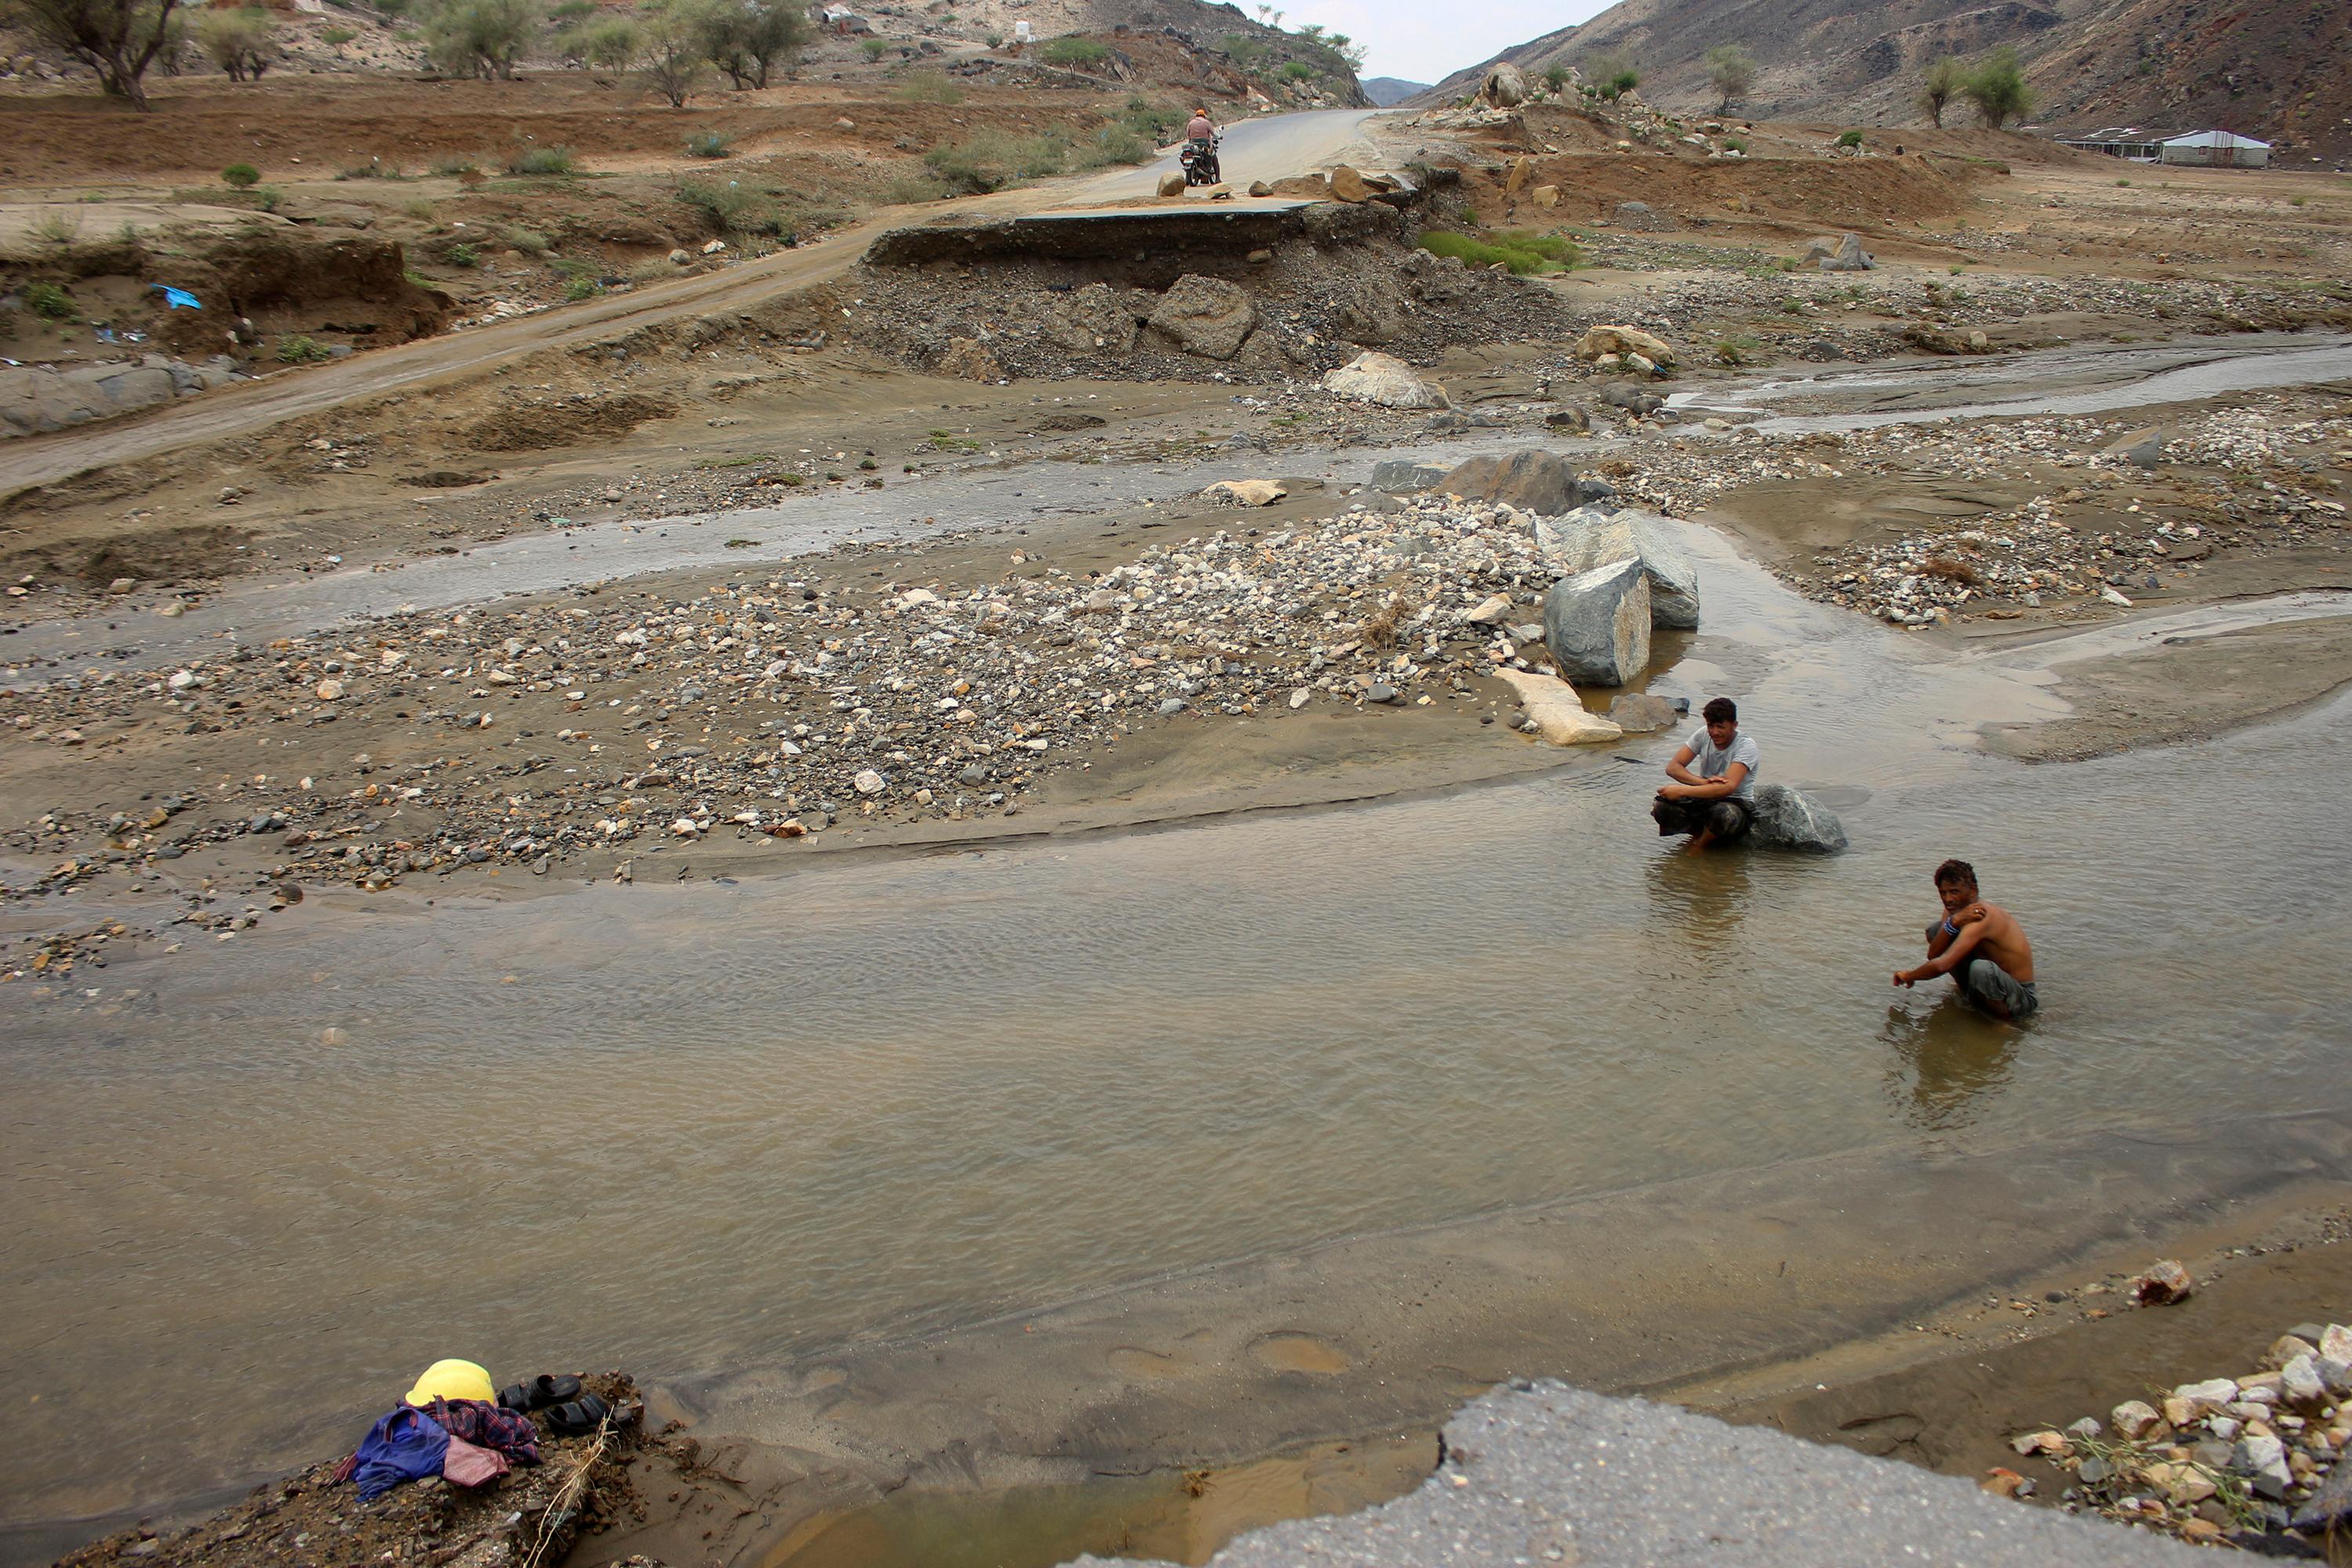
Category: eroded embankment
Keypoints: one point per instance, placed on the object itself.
(1245, 293)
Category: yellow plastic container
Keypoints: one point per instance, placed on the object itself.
(452, 1379)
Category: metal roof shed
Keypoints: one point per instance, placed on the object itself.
(2218, 150)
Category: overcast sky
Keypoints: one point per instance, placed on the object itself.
(1421, 41)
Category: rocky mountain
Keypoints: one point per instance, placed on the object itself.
(1233, 40)
(2277, 69)
(1384, 90)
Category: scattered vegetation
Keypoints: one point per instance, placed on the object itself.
(336, 37)
(930, 87)
(734, 209)
(375, 168)
(530, 242)
(1074, 53)
(51, 303)
(874, 49)
(1848, 139)
(556, 161)
(1556, 79)
(710, 145)
(60, 227)
(748, 40)
(1522, 253)
(1611, 77)
(1735, 144)
(607, 43)
(240, 42)
(1735, 352)
(461, 255)
(296, 349)
(244, 176)
(990, 160)
(674, 54)
(577, 289)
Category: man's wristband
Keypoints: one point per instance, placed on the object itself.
(1949, 929)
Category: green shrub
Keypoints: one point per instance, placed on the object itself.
(461, 255)
(1556, 79)
(268, 198)
(875, 49)
(930, 87)
(543, 161)
(1735, 144)
(51, 303)
(908, 189)
(609, 43)
(451, 166)
(2298, 201)
(1997, 87)
(732, 208)
(1735, 352)
(992, 160)
(296, 349)
(530, 242)
(244, 176)
(578, 289)
(1524, 254)
(1115, 144)
(710, 145)
(1074, 52)
(1848, 139)
(1297, 70)
(481, 37)
(60, 227)
(573, 11)
(336, 37)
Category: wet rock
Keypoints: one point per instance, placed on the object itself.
(2163, 1285)
(2284, 1349)
(2330, 1505)
(1588, 538)
(2134, 1419)
(1384, 381)
(1597, 625)
(1786, 820)
(1401, 476)
(1205, 316)
(2300, 1384)
(1644, 713)
(1530, 481)
(2262, 1459)
(1554, 711)
(1569, 419)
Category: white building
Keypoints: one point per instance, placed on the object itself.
(2216, 149)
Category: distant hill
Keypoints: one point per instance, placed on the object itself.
(1384, 90)
(1264, 54)
(2277, 69)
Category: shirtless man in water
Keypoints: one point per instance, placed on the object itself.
(1981, 946)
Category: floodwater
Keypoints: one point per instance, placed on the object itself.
(690, 1129)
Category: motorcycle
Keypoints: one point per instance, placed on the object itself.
(1200, 164)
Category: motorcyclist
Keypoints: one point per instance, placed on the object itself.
(1200, 157)
(1201, 127)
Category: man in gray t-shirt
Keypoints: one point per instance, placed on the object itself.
(1714, 778)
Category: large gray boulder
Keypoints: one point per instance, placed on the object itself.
(1589, 537)
(1384, 381)
(1849, 255)
(1597, 626)
(1205, 316)
(1506, 86)
(1785, 819)
(1531, 482)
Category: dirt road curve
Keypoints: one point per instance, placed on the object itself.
(1288, 143)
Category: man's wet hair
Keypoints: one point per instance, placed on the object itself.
(1720, 711)
(1955, 873)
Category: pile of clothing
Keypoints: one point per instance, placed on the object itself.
(450, 1427)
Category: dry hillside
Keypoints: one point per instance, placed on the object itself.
(2278, 69)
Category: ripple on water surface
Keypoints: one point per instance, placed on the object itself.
(686, 1130)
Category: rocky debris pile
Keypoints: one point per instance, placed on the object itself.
(531, 1515)
(1346, 281)
(1843, 254)
(2254, 1462)
(777, 705)
(1384, 381)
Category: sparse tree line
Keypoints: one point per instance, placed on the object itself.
(1995, 86)
(674, 43)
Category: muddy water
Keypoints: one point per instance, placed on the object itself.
(247, 1191)
(2071, 382)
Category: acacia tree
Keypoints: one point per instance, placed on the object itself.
(672, 54)
(747, 38)
(1732, 70)
(1939, 87)
(119, 39)
(1996, 87)
(236, 41)
(481, 37)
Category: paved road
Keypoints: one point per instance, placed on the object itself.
(1284, 144)
(1264, 149)
(1547, 1474)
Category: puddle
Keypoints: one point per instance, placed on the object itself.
(1176, 1518)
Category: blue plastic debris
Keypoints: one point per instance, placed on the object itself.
(177, 299)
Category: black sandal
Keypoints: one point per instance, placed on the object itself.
(516, 1398)
(579, 1418)
(552, 1389)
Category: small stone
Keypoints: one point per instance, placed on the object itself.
(2262, 1459)
(1380, 691)
(331, 690)
(1300, 698)
(2284, 1349)
(2167, 1282)
(869, 782)
(2088, 1426)
(2300, 1384)
(2180, 1480)
(2133, 1419)
(1171, 706)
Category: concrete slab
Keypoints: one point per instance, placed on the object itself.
(1542, 1473)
